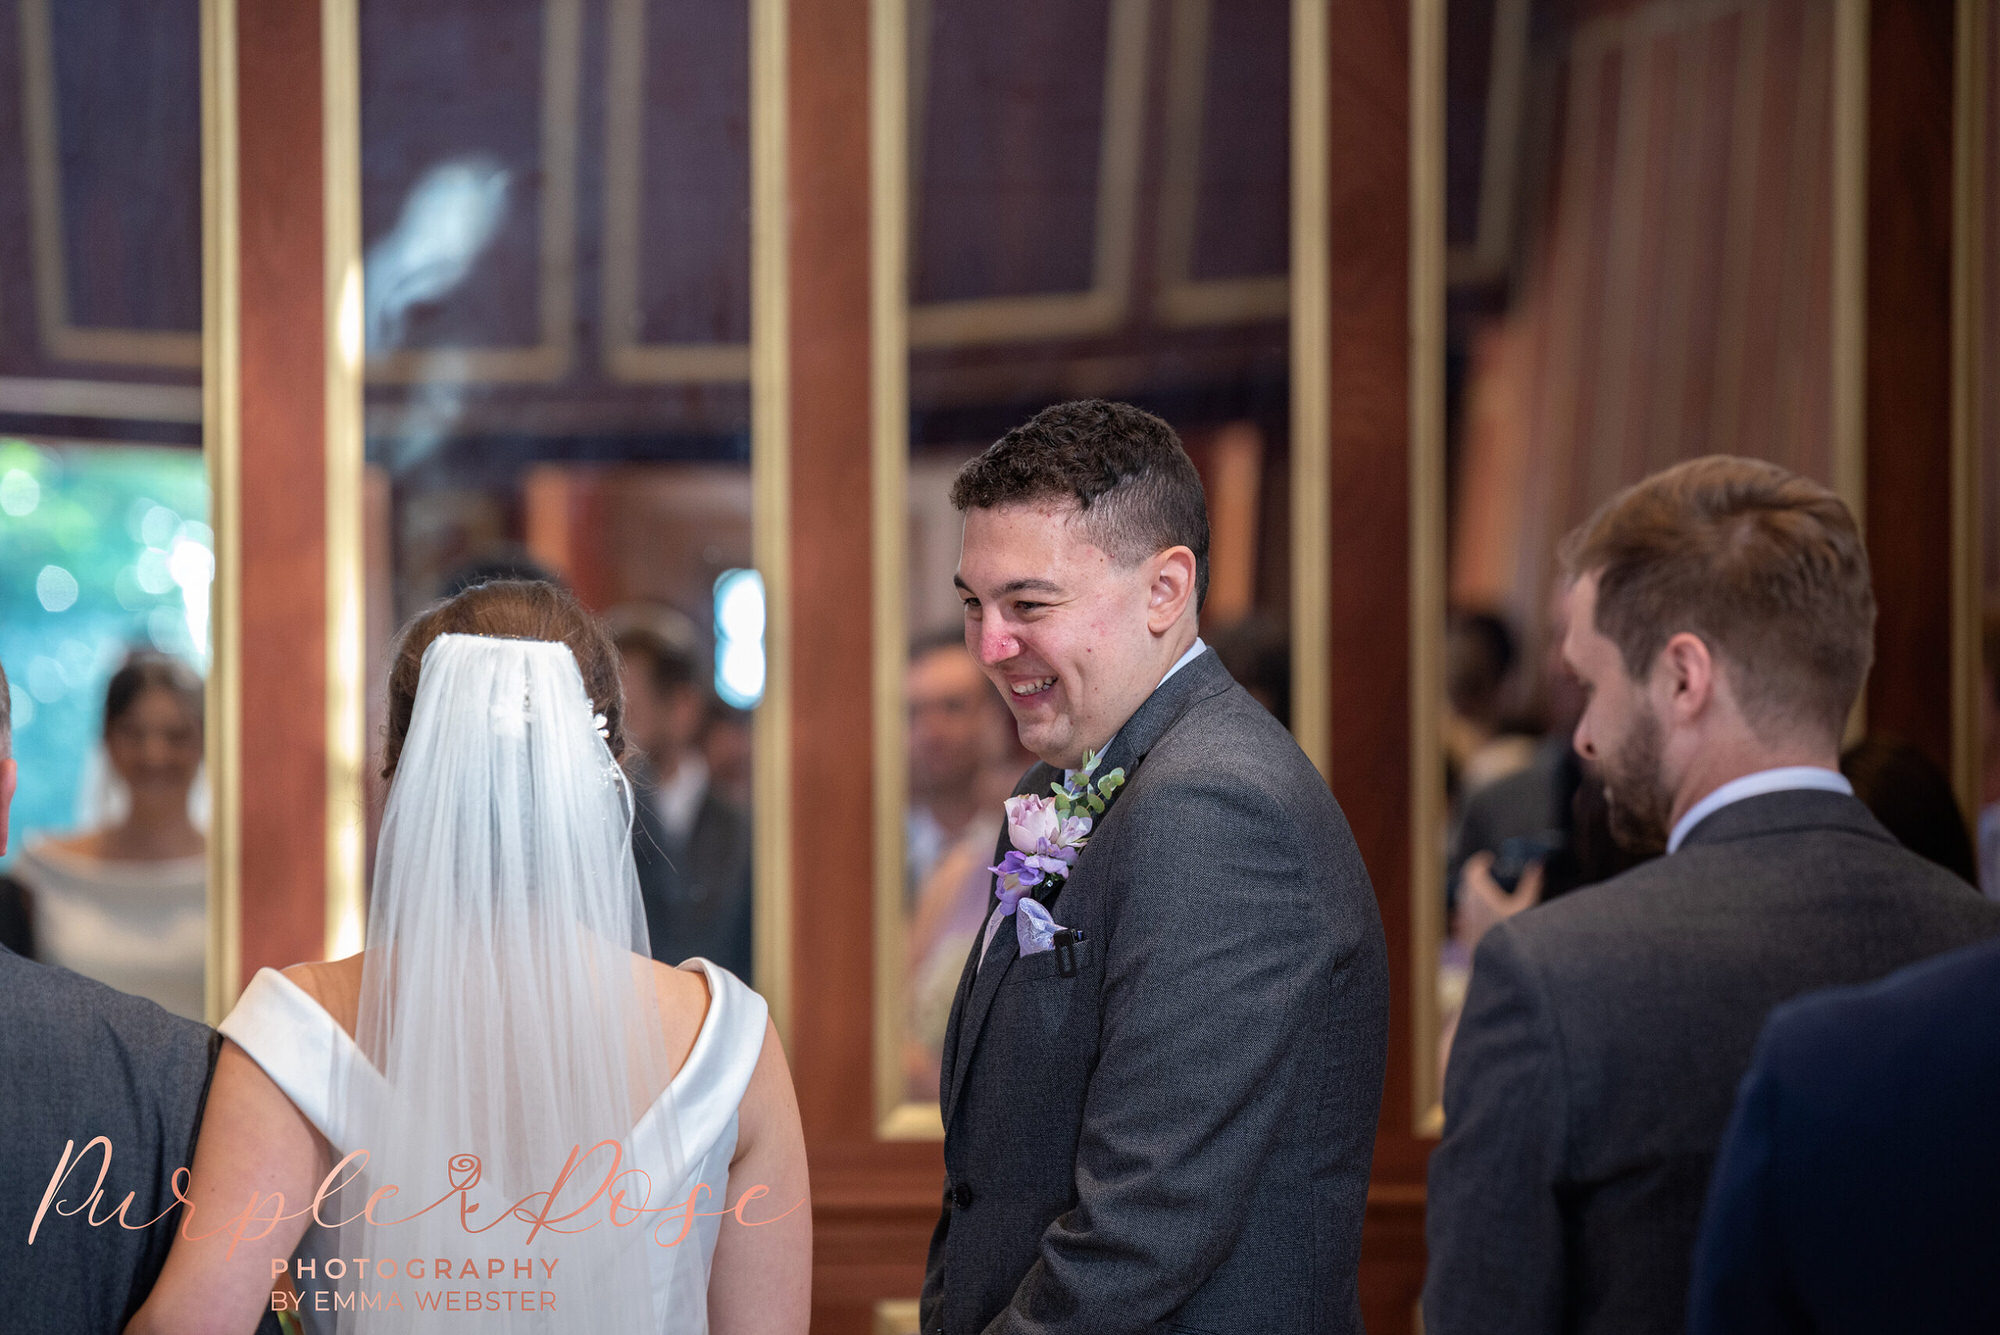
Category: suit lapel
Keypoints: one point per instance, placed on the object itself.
(1036, 780)
(1000, 957)
(1199, 680)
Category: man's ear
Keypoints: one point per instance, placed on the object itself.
(8, 776)
(1172, 588)
(1690, 675)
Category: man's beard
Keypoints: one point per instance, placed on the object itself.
(1636, 800)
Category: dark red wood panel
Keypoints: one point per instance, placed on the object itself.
(282, 766)
(1909, 368)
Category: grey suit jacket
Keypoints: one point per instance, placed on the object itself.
(1176, 1137)
(79, 1060)
(1601, 1044)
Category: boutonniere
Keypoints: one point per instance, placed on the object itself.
(1048, 833)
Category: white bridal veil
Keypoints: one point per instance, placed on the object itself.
(509, 1019)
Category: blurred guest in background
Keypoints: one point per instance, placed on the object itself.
(1913, 800)
(1721, 620)
(1530, 803)
(1258, 653)
(957, 745)
(1482, 744)
(692, 845)
(127, 904)
(1855, 1189)
(504, 561)
(955, 722)
(82, 1061)
(726, 746)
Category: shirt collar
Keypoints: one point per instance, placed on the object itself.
(678, 800)
(1782, 779)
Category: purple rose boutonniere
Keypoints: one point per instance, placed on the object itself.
(1047, 834)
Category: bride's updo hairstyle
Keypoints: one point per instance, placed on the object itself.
(517, 609)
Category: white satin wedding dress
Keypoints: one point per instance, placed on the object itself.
(508, 1035)
(302, 1049)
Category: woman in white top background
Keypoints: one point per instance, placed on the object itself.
(126, 903)
(505, 1016)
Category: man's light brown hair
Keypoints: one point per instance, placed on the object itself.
(1765, 566)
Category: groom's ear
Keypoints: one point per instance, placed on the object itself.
(1171, 590)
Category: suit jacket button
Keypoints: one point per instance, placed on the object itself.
(961, 1195)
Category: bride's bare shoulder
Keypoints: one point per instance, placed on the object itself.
(334, 984)
(683, 999)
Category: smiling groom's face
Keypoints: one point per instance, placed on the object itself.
(1073, 639)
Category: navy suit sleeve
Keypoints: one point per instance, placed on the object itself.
(1741, 1281)
(1210, 944)
(1494, 1220)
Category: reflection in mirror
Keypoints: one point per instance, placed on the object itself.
(1098, 206)
(1641, 218)
(104, 540)
(555, 202)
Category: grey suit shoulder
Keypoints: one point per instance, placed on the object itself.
(84, 1060)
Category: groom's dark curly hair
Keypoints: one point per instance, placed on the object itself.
(1125, 469)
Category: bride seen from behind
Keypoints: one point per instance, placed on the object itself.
(620, 1136)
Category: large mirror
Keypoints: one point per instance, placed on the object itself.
(104, 503)
(556, 228)
(1650, 216)
(1093, 200)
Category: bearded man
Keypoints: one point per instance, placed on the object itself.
(1721, 622)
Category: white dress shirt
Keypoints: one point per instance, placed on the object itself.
(1194, 651)
(1782, 779)
(677, 802)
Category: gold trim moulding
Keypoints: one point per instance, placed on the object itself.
(1043, 315)
(346, 729)
(1180, 300)
(770, 453)
(549, 359)
(1427, 550)
(222, 443)
(898, 1316)
(890, 322)
(41, 134)
(626, 356)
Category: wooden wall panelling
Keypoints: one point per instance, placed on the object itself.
(874, 1202)
(1369, 535)
(281, 633)
(1909, 359)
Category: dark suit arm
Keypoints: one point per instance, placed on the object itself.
(933, 1292)
(1493, 1222)
(1211, 939)
(1740, 1277)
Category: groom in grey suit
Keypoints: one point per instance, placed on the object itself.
(1164, 1120)
(1721, 622)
